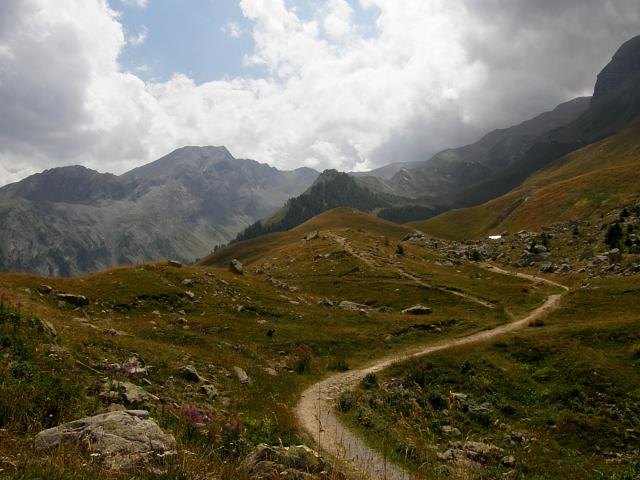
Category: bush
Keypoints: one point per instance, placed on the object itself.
(370, 380)
(347, 401)
(301, 358)
(339, 364)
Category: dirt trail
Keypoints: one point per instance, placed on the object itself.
(315, 414)
(373, 262)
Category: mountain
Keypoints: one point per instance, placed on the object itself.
(454, 169)
(614, 107)
(590, 181)
(72, 220)
(386, 172)
(332, 189)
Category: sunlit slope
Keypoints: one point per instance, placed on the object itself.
(598, 177)
(249, 251)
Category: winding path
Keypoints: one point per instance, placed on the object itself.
(314, 411)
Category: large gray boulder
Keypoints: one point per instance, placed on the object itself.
(122, 440)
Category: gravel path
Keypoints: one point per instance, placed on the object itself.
(315, 413)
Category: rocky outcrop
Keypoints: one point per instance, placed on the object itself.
(121, 441)
(624, 65)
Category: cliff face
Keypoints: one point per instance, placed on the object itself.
(624, 65)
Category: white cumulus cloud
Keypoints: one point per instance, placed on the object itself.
(432, 75)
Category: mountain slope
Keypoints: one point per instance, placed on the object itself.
(331, 189)
(73, 220)
(503, 159)
(596, 178)
(451, 170)
(614, 107)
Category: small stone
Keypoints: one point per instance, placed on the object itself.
(235, 266)
(190, 374)
(75, 300)
(508, 462)
(209, 391)
(418, 310)
(243, 378)
(187, 282)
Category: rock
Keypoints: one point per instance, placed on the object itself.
(174, 263)
(190, 374)
(235, 266)
(209, 391)
(46, 328)
(540, 249)
(121, 440)
(346, 305)
(76, 300)
(458, 398)
(128, 393)
(450, 431)
(271, 371)
(481, 452)
(312, 236)
(181, 321)
(187, 282)
(614, 256)
(45, 289)
(418, 310)
(326, 303)
(190, 294)
(291, 463)
(508, 462)
(243, 378)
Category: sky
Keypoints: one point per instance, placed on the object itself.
(346, 84)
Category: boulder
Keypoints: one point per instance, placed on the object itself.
(291, 463)
(174, 263)
(121, 440)
(75, 300)
(235, 266)
(418, 310)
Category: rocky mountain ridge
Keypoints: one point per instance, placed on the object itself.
(73, 220)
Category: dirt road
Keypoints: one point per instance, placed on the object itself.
(315, 414)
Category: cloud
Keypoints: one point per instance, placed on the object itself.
(233, 29)
(136, 3)
(140, 38)
(432, 75)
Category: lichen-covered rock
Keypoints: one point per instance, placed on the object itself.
(290, 463)
(122, 440)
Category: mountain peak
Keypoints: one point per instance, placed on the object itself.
(624, 64)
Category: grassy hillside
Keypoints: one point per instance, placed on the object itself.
(270, 322)
(249, 251)
(591, 180)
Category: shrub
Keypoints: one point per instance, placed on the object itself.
(339, 364)
(347, 401)
(301, 358)
(370, 380)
